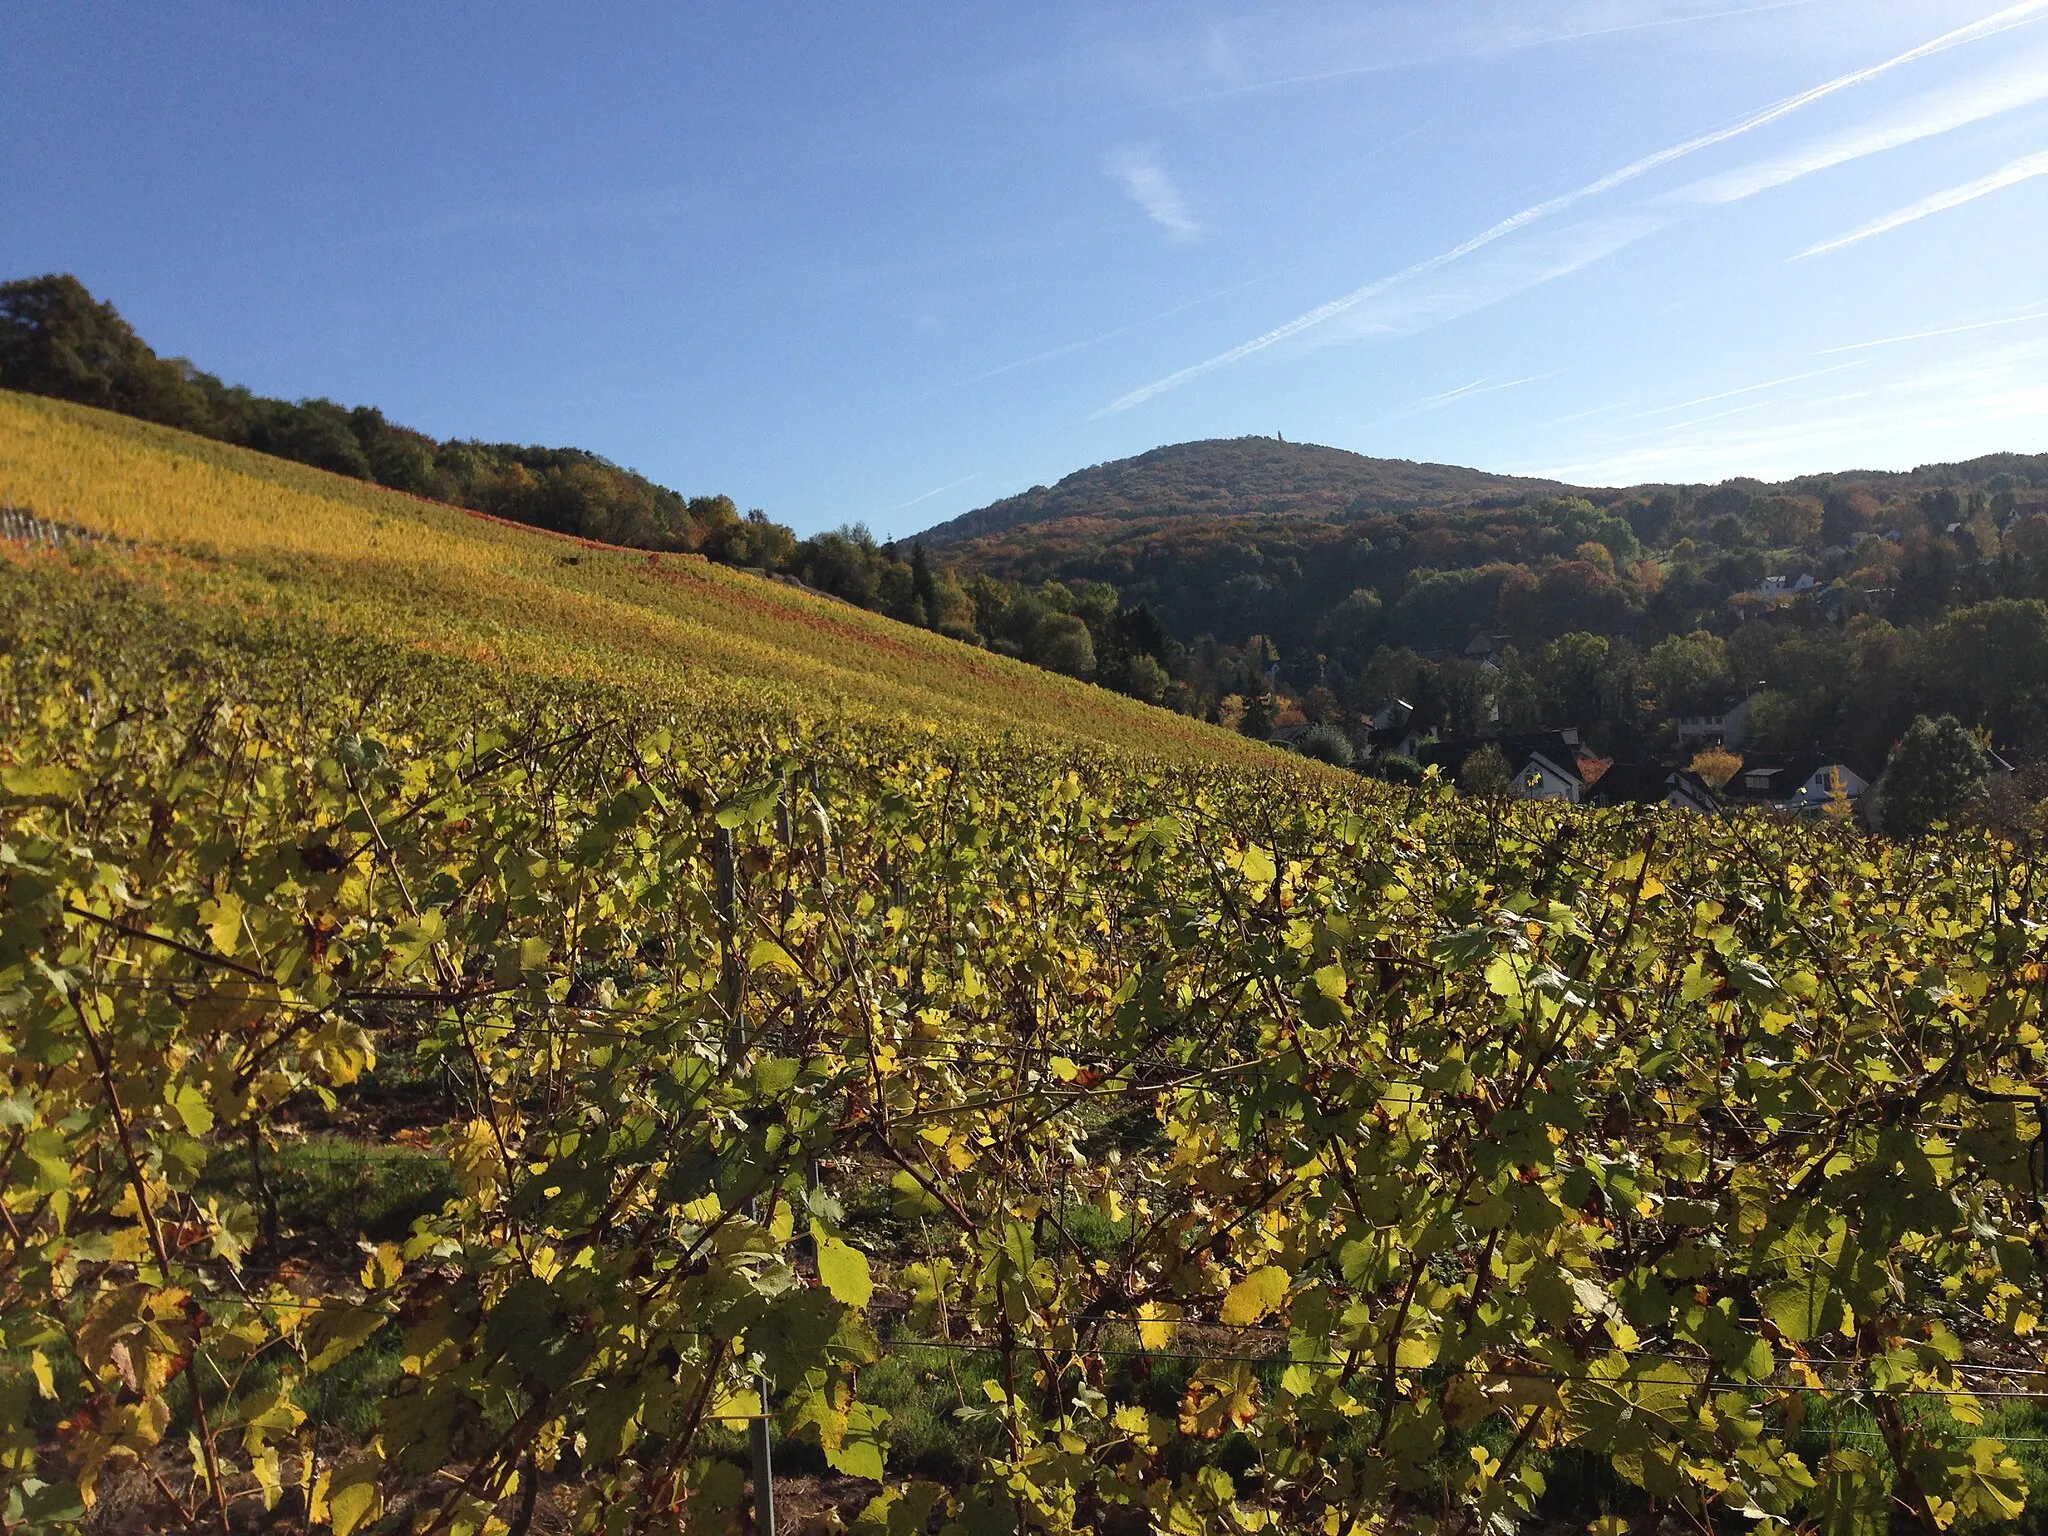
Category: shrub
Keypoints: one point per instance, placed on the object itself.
(1395, 769)
(1485, 772)
(1326, 744)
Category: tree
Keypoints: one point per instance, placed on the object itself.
(1790, 520)
(1145, 679)
(1351, 630)
(1258, 716)
(1485, 772)
(1991, 660)
(1395, 769)
(1690, 673)
(1715, 766)
(923, 589)
(1573, 675)
(1062, 642)
(56, 339)
(1934, 772)
(1839, 806)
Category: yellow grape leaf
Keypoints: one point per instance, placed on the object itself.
(737, 1407)
(223, 919)
(767, 955)
(48, 782)
(1253, 1297)
(843, 1270)
(860, 1454)
(382, 1269)
(353, 1499)
(1156, 1325)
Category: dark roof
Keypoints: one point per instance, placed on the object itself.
(1645, 784)
(1789, 772)
(1392, 736)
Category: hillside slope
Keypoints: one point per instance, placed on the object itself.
(220, 523)
(1237, 476)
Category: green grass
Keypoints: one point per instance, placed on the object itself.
(331, 1190)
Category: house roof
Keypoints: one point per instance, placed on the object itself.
(1645, 784)
(1784, 774)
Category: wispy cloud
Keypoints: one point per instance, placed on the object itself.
(2001, 21)
(1544, 256)
(937, 490)
(1450, 397)
(1137, 169)
(2024, 169)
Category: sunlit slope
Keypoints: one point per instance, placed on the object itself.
(240, 526)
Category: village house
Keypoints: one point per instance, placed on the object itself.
(1725, 727)
(1799, 782)
(1652, 784)
(1542, 765)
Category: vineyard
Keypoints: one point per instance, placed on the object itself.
(453, 1087)
(228, 526)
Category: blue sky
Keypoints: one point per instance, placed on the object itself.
(889, 262)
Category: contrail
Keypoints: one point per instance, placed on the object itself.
(2000, 21)
(1082, 345)
(1322, 76)
(2024, 169)
(2036, 313)
(1747, 389)
(938, 491)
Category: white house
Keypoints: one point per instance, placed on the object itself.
(1797, 783)
(1540, 778)
(1728, 727)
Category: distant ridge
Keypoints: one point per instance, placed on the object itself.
(1236, 476)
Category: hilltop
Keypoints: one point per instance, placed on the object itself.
(1238, 476)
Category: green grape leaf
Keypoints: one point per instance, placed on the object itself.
(860, 1453)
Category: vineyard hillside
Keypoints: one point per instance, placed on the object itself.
(501, 1034)
(213, 520)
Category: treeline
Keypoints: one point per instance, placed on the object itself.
(1856, 686)
(1652, 562)
(1850, 604)
(56, 339)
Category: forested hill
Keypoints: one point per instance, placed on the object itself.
(1260, 476)
(1293, 581)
